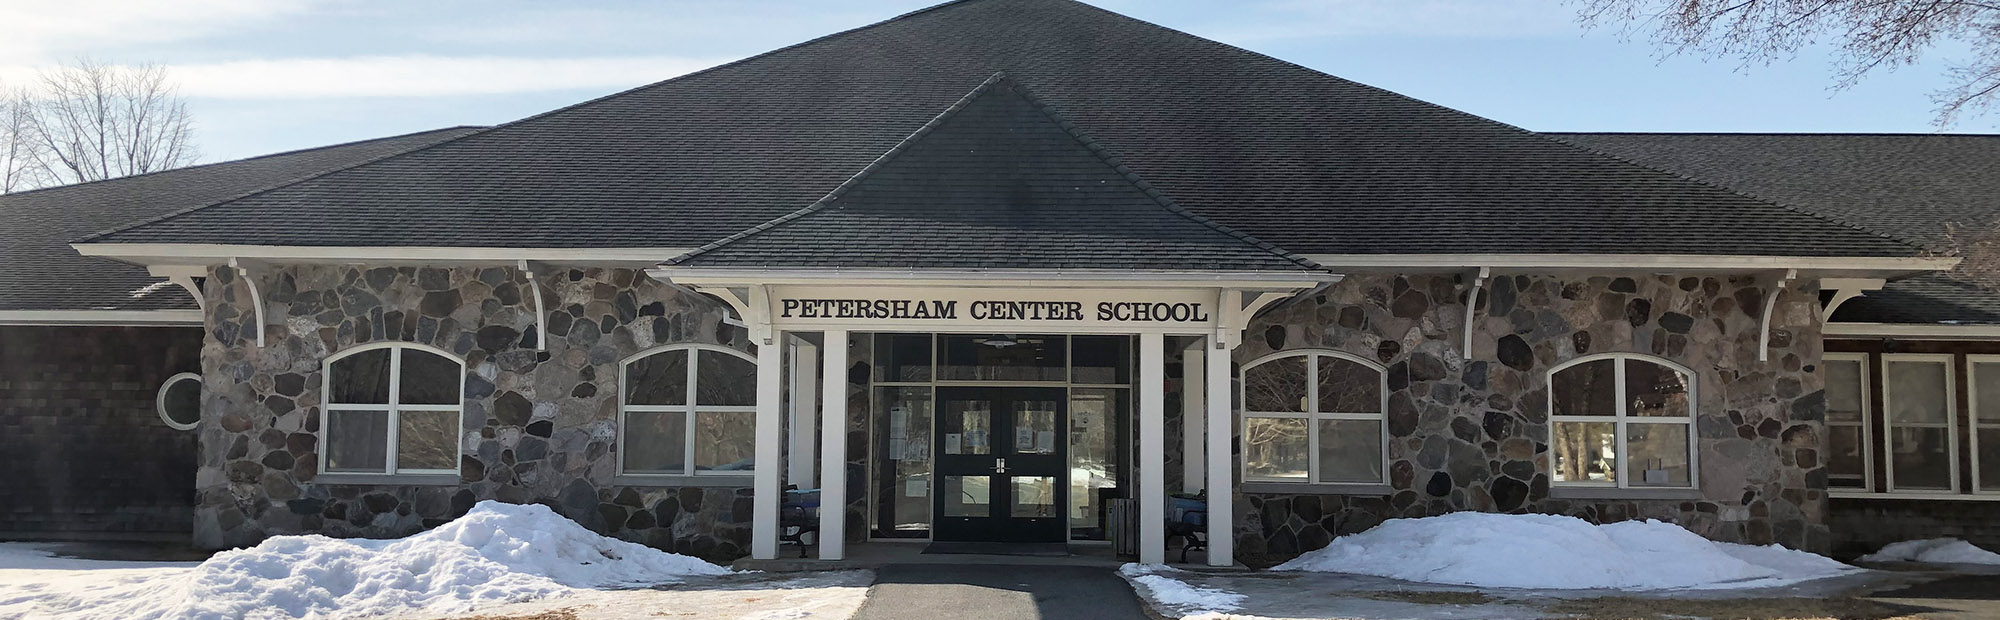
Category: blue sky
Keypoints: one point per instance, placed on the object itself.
(271, 75)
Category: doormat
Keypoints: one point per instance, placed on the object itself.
(997, 548)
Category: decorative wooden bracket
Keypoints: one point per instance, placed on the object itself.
(1845, 289)
(541, 315)
(1776, 286)
(1472, 305)
(251, 272)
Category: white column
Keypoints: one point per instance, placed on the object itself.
(770, 415)
(833, 448)
(1152, 450)
(1194, 465)
(1221, 467)
(805, 404)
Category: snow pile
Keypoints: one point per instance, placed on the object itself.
(1178, 594)
(1934, 551)
(1557, 552)
(497, 553)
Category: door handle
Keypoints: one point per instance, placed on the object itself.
(1000, 466)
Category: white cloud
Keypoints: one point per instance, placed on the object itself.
(1288, 19)
(36, 31)
(411, 76)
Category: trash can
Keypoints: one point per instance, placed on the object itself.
(1124, 526)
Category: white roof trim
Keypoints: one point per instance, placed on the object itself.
(212, 254)
(1692, 262)
(1052, 278)
(132, 318)
(1924, 331)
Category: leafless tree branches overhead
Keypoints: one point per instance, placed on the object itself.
(1870, 34)
(89, 121)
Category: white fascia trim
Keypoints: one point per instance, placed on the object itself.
(206, 254)
(1054, 278)
(1927, 331)
(1633, 261)
(131, 318)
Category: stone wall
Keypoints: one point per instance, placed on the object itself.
(86, 453)
(1472, 434)
(539, 426)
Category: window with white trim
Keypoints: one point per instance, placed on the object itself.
(1622, 420)
(392, 408)
(1849, 462)
(1983, 372)
(1917, 400)
(1314, 417)
(688, 409)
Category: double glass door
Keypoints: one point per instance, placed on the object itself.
(1001, 465)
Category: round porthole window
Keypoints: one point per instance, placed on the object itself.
(179, 401)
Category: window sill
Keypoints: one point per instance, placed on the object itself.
(642, 480)
(1302, 488)
(389, 479)
(1559, 492)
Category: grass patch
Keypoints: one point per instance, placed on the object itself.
(1631, 608)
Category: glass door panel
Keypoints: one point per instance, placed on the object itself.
(1008, 494)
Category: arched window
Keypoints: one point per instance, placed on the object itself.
(392, 408)
(1622, 419)
(1314, 416)
(688, 409)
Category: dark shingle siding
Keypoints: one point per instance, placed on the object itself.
(1300, 159)
(39, 271)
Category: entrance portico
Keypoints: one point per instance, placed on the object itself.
(1013, 428)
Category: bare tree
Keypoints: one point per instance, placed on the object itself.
(19, 164)
(94, 121)
(1871, 34)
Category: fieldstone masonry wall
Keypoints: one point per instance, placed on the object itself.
(1472, 434)
(539, 426)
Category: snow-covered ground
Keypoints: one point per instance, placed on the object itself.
(498, 554)
(1157, 585)
(1934, 551)
(1558, 552)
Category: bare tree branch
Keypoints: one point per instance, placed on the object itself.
(1869, 34)
(94, 121)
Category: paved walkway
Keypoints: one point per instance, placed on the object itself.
(926, 592)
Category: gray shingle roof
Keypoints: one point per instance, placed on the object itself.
(1298, 158)
(998, 181)
(39, 271)
(1912, 186)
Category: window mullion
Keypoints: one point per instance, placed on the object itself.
(687, 457)
(1312, 418)
(395, 396)
(1618, 432)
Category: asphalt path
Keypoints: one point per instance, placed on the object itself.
(938, 591)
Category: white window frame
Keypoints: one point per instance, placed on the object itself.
(160, 401)
(1866, 376)
(1950, 419)
(1622, 419)
(689, 408)
(1972, 363)
(1312, 415)
(393, 407)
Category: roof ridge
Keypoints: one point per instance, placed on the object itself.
(1921, 247)
(286, 182)
(880, 160)
(240, 160)
(635, 89)
(1105, 155)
